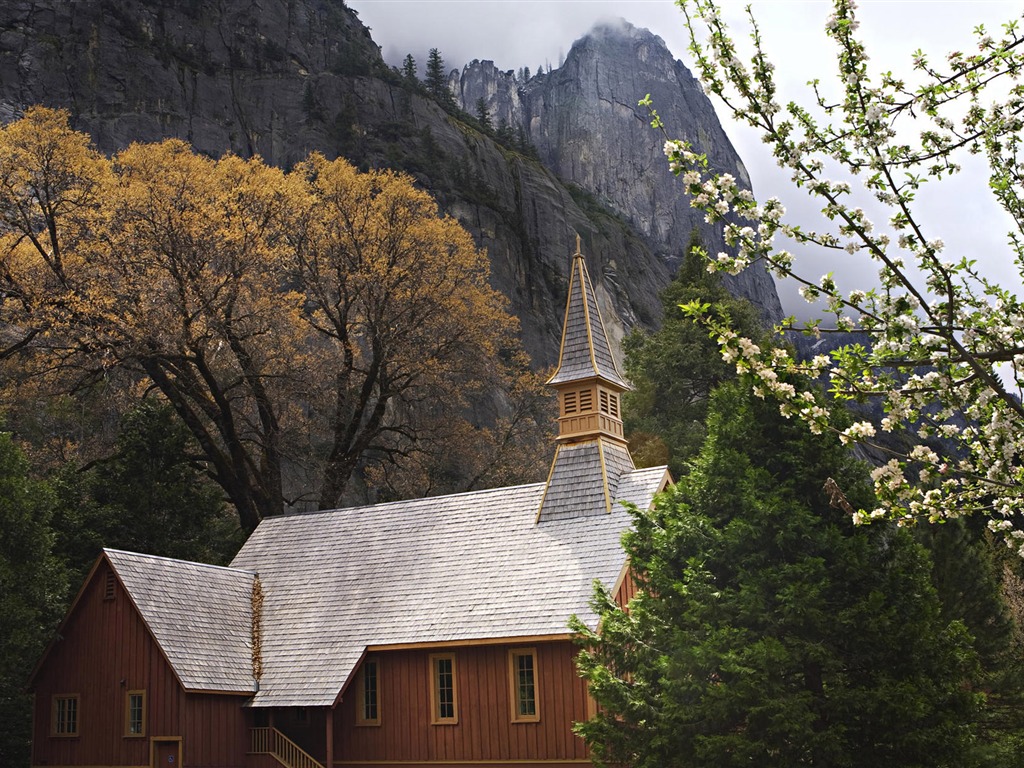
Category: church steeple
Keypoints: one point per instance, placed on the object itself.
(591, 455)
(587, 380)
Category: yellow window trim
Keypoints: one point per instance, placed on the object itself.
(361, 693)
(55, 704)
(128, 714)
(513, 685)
(435, 693)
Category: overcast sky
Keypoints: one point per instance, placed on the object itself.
(517, 33)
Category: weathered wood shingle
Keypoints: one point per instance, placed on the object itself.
(200, 616)
(584, 479)
(463, 567)
(585, 351)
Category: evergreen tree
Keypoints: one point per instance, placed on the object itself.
(33, 587)
(768, 630)
(437, 80)
(504, 133)
(163, 502)
(674, 370)
(409, 69)
(523, 143)
(968, 572)
(310, 106)
(484, 115)
(149, 497)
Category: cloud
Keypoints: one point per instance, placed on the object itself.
(518, 33)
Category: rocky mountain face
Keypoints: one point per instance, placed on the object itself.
(282, 78)
(584, 120)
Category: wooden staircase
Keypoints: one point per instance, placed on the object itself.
(270, 741)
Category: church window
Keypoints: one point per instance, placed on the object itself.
(523, 684)
(444, 703)
(368, 695)
(65, 715)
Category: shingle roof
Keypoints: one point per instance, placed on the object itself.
(200, 616)
(583, 480)
(450, 568)
(585, 350)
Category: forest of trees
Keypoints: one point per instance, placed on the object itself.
(435, 85)
(310, 329)
(768, 629)
(188, 345)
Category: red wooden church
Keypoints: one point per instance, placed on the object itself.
(416, 633)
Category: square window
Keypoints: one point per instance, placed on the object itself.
(444, 702)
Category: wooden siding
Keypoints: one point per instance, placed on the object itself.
(104, 652)
(627, 588)
(485, 730)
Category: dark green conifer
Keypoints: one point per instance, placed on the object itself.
(483, 115)
(409, 69)
(436, 80)
(770, 631)
(504, 133)
(675, 369)
(151, 496)
(33, 586)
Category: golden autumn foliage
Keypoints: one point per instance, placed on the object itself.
(308, 327)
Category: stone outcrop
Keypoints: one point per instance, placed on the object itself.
(240, 75)
(282, 78)
(584, 121)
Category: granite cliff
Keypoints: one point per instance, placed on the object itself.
(281, 78)
(584, 120)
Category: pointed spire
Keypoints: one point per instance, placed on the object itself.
(585, 351)
(591, 456)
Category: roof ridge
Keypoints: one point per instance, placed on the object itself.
(661, 468)
(406, 502)
(111, 550)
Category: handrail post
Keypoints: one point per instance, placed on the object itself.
(270, 741)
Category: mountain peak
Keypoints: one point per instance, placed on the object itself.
(617, 28)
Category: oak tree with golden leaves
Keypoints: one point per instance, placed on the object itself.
(308, 327)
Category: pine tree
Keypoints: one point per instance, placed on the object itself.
(484, 115)
(968, 572)
(32, 590)
(158, 494)
(768, 630)
(504, 133)
(409, 69)
(674, 369)
(150, 496)
(437, 79)
(523, 143)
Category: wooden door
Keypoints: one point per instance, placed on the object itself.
(166, 754)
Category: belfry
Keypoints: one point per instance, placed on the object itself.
(591, 455)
